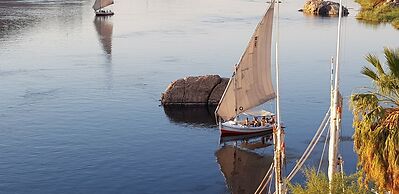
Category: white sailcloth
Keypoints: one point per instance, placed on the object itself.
(251, 84)
(102, 3)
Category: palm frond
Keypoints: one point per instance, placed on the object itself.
(373, 60)
(370, 73)
(392, 58)
(391, 121)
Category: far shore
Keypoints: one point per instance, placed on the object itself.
(378, 11)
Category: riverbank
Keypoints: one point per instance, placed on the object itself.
(379, 11)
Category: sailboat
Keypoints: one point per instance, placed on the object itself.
(100, 4)
(250, 86)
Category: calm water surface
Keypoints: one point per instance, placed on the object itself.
(79, 109)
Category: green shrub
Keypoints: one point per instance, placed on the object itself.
(318, 183)
(395, 23)
(378, 11)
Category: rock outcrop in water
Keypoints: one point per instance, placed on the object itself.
(195, 90)
(323, 8)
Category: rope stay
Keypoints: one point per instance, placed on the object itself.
(266, 179)
(268, 176)
(324, 149)
(270, 185)
(310, 147)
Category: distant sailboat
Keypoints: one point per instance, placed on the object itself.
(250, 85)
(100, 4)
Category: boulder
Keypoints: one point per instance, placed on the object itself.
(217, 92)
(323, 8)
(195, 90)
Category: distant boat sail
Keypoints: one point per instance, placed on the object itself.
(100, 4)
(251, 83)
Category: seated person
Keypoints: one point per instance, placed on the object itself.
(273, 120)
(256, 122)
(263, 121)
(246, 122)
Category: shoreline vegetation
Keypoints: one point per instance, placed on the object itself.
(377, 11)
(376, 122)
(317, 183)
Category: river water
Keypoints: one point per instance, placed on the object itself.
(79, 109)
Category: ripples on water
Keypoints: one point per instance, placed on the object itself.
(79, 109)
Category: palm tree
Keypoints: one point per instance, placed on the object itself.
(376, 123)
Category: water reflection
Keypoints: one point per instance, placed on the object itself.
(198, 116)
(104, 28)
(243, 170)
(17, 17)
(372, 25)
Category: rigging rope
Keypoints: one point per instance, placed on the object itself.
(310, 147)
(322, 153)
(266, 179)
(268, 176)
(270, 185)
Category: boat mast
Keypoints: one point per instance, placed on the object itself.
(278, 133)
(335, 121)
(235, 88)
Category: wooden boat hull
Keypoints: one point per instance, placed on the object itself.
(232, 138)
(104, 13)
(230, 128)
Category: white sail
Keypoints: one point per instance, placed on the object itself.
(102, 3)
(251, 84)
